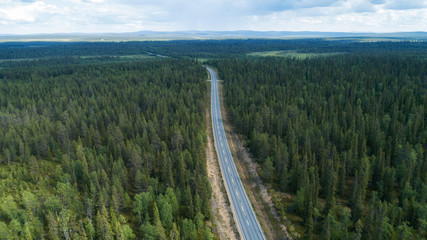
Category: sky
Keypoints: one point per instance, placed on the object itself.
(105, 16)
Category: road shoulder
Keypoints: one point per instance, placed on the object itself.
(259, 197)
(222, 217)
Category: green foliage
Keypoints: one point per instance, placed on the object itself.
(88, 149)
(165, 211)
(188, 230)
(149, 231)
(4, 231)
(8, 207)
(340, 128)
(90, 230)
(404, 231)
(84, 140)
(174, 233)
(360, 184)
(268, 170)
(300, 200)
(143, 203)
(93, 52)
(128, 232)
(161, 234)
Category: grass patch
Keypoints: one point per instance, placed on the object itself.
(203, 60)
(291, 54)
(283, 203)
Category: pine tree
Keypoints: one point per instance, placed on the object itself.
(284, 178)
(309, 203)
(53, 227)
(158, 224)
(309, 226)
(327, 228)
(174, 233)
(128, 233)
(268, 170)
(188, 230)
(360, 184)
(104, 230)
(172, 200)
(342, 179)
(330, 186)
(90, 230)
(404, 232)
(181, 172)
(143, 202)
(165, 210)
(65, 216)
(28, 235)
(149, 231)
(357, 234)
(4, 231)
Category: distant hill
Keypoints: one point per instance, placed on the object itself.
(177, 35)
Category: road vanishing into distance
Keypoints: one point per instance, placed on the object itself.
(247, 223)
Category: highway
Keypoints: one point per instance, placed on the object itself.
(243, 213)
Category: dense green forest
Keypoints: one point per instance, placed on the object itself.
(200, 48)
(345, 135)
(103, 151)
(106, 140)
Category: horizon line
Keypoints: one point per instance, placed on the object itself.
(209, 31)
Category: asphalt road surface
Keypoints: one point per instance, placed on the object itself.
(242, 210)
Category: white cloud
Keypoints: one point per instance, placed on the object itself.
(50, 16)
(403, 5)
(382, 20)
(95, 1)
(25, 12)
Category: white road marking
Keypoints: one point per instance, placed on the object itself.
(224, 156)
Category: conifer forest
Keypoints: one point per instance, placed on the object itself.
(107, 140)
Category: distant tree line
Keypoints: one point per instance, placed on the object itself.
(201, 48)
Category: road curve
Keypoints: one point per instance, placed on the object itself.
(247, 223)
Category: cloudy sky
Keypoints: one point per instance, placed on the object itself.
(67, 16)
